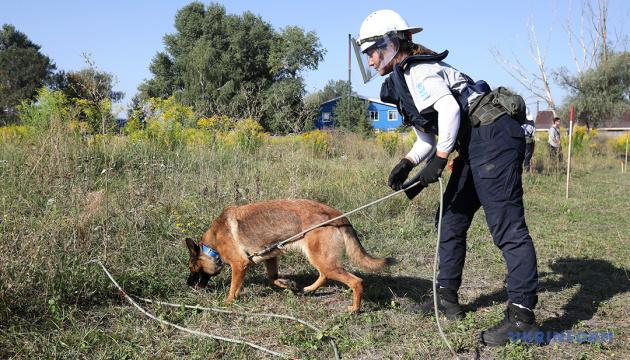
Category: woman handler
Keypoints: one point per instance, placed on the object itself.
(437, 99)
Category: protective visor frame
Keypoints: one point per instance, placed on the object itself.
(387, 45)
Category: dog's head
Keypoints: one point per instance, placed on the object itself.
(204, 262)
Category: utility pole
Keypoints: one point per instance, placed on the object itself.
(349, 73)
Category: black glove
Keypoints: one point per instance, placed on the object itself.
(432, 171)
(414, 191)
(399, 173)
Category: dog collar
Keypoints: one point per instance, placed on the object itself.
(211, 252)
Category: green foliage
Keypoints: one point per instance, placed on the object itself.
(130, 203)
(228, 64)
(163, 110)
(163, 121)
(23, 70)
(91, 92)
(352, 114)
(15, 132)
(39, 112)
(582, 140)
(390, 141)
(600, 95)
(247, 135)
(620, 144)
(332, 90)
(284, 111)
(318, 142)
(294, 51)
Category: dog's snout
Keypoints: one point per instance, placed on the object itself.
(193, 279)
(198, 279)
(203, 280)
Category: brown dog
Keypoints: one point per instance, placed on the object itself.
(244, 230)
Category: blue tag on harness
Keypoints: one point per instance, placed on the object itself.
(210, 252)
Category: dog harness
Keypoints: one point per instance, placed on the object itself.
(212, 253)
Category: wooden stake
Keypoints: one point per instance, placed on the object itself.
(570, 143)
(625, 165)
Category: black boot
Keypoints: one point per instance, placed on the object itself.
(448, 305)
(518, 324)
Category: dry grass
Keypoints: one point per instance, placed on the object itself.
(131, 203)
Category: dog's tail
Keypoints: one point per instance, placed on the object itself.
(358, 255)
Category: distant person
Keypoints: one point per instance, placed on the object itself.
(555, 147)
(529, 128)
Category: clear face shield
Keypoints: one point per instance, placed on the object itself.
(366, 50)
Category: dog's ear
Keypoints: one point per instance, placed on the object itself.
(193, 248)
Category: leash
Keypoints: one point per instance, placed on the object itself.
(435, 267)
(193, 332)
(320, 333)
(283, 243)
(280, 245)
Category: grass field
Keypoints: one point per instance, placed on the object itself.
(131, 204)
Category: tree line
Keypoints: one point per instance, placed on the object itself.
(241, 67)
(217, 63)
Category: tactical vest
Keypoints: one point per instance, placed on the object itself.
(394, 90)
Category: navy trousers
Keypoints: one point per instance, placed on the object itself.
(529, 152)
(488, 173)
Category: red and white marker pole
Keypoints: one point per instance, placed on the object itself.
(570, 143)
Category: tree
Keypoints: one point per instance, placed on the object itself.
(92, 90)
(332, 89)
(357, 119)
(283, 105)
(294, 51)
(538, 81)
(601, 94)
(590, 45)
(23, 70)
(225, 64)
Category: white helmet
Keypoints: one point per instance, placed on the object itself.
(382, 22)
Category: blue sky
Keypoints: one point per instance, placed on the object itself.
(123, 36)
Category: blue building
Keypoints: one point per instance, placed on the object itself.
(383, 116)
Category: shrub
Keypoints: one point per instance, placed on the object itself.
(168, 133)
(217, 123)
(198, 137)
(247, 135)
(618, 144)
(79, 128)
(317, 141)
(170, 110)
(389, 141)
(15, 132)
(583, 139)
(39, 112)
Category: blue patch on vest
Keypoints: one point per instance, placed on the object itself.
(422, 91)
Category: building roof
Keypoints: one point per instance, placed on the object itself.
(624, 122)
(374, 100)
(544, 119)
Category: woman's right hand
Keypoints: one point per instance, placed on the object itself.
(399, 174)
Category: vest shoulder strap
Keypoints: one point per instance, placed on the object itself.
(423, 58)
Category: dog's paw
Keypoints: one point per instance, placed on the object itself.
(287, 284)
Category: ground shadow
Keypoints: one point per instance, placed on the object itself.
(597, 281)
(378, 289)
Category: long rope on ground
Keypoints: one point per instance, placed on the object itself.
(435, 266)
(279, 245)
(193, 332)
(197, 307)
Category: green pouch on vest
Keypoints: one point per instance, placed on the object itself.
(513, 103)
(493, 105)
